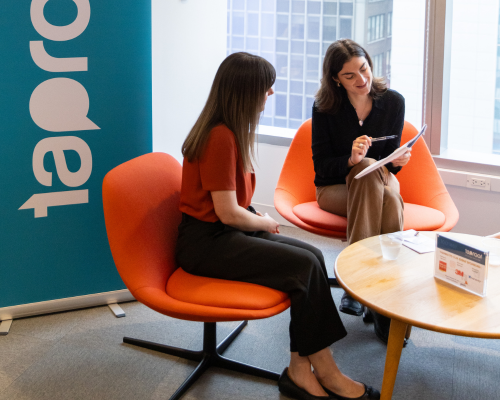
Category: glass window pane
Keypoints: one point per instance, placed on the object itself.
(297, 27)
(267, 25)
(345, 9)
(238, 43)
(252, 24)
(298, 7)
(239, 5)
(268, 5)
(282, 46)
(281, 85)
(253, 5)
(238, 23)
(280, 105)
(329, 29)
(296, 67)
(309, 106)
(252, 44)
(313, 28)
(294, 124)
(313, 7)
(267, 44)
(312, 88)
(295, 107)
(283, 6)
(330, 8)
(312, 48)
(313, 68)
(281, 122)
(298, 46)
(345, 28)
(281, 65)
(282, 26)
(296, 87)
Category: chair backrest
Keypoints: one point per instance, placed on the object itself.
(420, 180)
(297, 174)
(141, 211)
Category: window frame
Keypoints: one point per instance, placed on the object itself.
(436, 88)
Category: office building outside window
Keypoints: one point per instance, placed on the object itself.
(375, 27)
(294, 36)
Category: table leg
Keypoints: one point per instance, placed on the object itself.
(394, 347)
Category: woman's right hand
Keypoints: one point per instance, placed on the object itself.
(359, 148)
(271, 225)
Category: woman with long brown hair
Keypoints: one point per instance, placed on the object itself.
(221, 236)
(353, 107)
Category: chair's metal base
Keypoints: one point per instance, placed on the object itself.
(211, 355)
(333, 282)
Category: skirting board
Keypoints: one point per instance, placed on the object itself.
(71, 303)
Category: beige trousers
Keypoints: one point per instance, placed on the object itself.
(372, 204)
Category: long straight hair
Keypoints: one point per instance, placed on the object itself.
(236, 99)
(329, 96)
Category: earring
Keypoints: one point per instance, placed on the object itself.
(338, 84)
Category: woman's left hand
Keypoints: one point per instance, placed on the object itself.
(401, 161)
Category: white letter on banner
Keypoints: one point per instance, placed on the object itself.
(53, 64)
(61, 105)
(60, 33)
(40, 202)
(57, 145)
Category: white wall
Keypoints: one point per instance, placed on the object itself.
(189, 43)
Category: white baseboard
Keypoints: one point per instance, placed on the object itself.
(265, 208)
(71, 303)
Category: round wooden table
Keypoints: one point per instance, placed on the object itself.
(405, 290)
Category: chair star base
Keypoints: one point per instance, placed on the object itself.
(211, 355)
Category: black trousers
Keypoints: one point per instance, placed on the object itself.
(219, 251)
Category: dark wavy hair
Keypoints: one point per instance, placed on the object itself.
(236, 100)
(329, 96)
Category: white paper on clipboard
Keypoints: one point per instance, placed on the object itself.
(397, 153)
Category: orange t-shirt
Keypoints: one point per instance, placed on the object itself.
(219, 168)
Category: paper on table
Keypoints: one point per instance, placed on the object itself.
(395, 154)
(419, 243)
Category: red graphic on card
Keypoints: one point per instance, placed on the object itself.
(442, 266)
(459, 273)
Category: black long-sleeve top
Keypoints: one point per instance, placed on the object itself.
(333, 134)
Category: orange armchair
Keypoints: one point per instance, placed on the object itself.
(141, 210)
(428, 205)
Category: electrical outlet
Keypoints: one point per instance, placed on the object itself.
(478, 182)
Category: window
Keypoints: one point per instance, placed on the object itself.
(377, 65)
(375, 28)
(294, 36)
(470, 112)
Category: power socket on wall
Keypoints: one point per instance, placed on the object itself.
(478, 182)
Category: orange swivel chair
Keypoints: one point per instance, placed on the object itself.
(141, 210)
(427, 204)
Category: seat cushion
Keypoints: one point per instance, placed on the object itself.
(416, 217)
(422, 218)
(222, 293)
(311, 214)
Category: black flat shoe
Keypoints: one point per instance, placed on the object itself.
(350, 306)
(290, 389)
(369, 394)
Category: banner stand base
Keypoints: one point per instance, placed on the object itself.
(67, 304)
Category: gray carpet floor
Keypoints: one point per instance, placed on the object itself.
(80, 355)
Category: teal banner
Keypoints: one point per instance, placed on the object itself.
(75, 101)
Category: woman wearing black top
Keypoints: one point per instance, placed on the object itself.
(352, 108)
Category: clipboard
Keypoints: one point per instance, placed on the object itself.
(395, 154)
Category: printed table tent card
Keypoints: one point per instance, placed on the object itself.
(461, 265)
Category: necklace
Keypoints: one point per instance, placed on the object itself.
(361, 113)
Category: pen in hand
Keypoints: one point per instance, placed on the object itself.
(384, 138)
